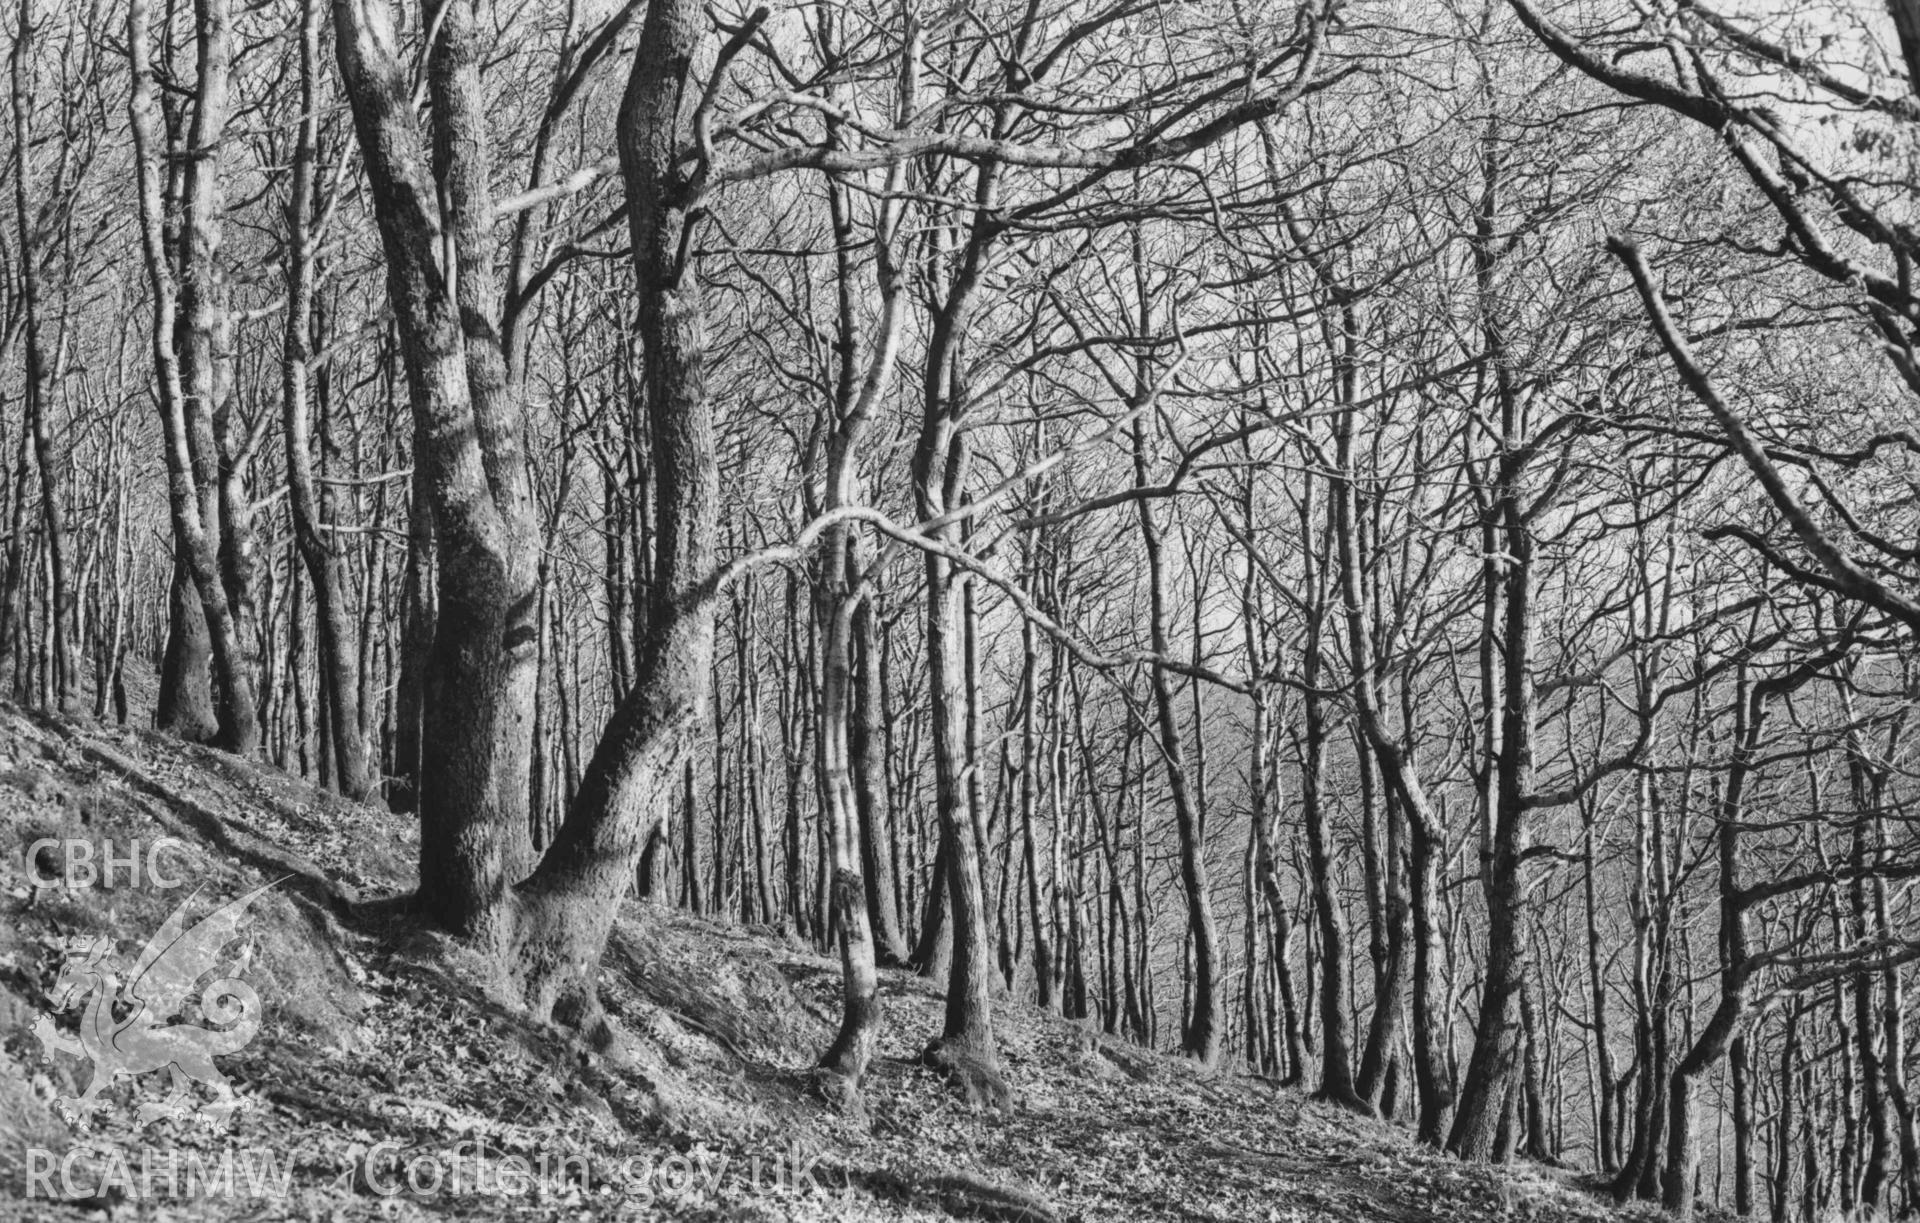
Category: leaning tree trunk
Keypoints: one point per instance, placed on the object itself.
(566, 909)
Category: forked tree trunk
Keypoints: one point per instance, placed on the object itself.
(183, 337)
(1390, 950)
(1738, 963)
(478, 680)
(853, 1046)
(965, 1049)
(850, 729)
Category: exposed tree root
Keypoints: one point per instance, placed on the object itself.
(975, 1074)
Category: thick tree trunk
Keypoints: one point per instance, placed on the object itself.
(478, 677)
(566, 909)
(185, 706)
(1740, 1086)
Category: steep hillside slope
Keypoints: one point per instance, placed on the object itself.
(383, 1084)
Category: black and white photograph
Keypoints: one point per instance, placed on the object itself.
(1047, 611)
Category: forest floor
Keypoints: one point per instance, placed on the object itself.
(384, 1084)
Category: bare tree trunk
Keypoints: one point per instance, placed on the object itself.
(1330, 919)
(1509, 589)
(1432, 1078)
(186, 312)
(1336, 1047)
(39, 382)
(1267, 868)
(1740, 1067)
(1390, 908)
(567, 908)
(1201, 1038)
(859, 1030)
(477, 682)
(965, 1049)
(869, 769)
(185, 707)
(417, 600)
(12, 580)
(1029, 799)
(1737, 963)
(351, 769)
(1496, 1043)
(1785, 1119)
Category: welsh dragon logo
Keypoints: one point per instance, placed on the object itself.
(124, 1028)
